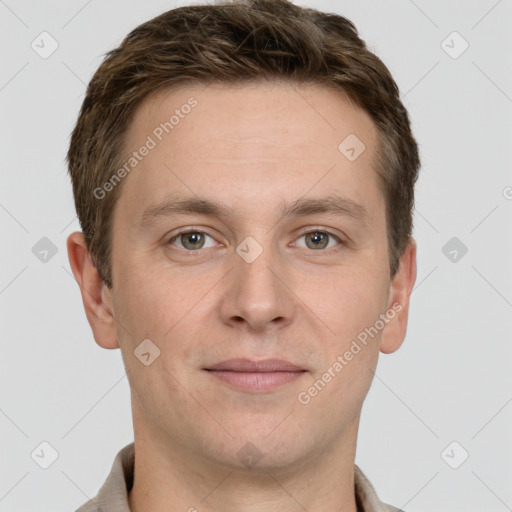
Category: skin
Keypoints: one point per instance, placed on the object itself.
(250, 148)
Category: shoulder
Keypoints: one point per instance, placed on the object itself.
(113, 495)
(367, 496)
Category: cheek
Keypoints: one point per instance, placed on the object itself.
(348, 300)
(153, 301)
(344, 366)
(169, 308)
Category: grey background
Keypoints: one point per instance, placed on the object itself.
(450, 381)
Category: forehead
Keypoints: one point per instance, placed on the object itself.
(263, 108)
(239, 142)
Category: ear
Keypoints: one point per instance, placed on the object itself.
(401, 287)
(95, 294)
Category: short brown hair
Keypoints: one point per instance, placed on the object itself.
(237, 42)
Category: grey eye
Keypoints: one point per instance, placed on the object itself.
(317, 240)
(192, 240)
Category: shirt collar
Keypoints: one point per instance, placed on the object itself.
(113, 495)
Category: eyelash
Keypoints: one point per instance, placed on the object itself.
(309, 231)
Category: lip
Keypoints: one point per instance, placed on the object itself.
(263, 366)
(256, 376)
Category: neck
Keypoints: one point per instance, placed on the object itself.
(169, 478)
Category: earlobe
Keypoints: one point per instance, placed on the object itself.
(95, 295)
(401, 287)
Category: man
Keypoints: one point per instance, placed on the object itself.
(244, 178)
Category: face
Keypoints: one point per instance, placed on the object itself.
(246, 234)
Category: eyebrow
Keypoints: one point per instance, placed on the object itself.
(179, 205)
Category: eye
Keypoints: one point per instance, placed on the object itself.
(191, 240)
(318, 240)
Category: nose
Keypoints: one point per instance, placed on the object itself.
(257, 296)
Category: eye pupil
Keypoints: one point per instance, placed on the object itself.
(319, 239)
(192, 240)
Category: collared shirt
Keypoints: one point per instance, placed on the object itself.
(113, 495)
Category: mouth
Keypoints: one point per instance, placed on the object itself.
(256, 376)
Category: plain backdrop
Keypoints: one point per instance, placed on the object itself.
(444, 396)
